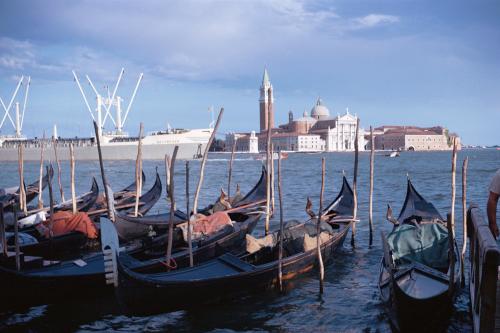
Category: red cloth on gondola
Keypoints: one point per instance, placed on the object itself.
(211, 223)
(65, 222)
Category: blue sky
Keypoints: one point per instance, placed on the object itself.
(391, 62)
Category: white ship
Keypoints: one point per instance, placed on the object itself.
(116, 145)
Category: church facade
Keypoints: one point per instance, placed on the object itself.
(314, 131)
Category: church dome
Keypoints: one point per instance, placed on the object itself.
(319, 111)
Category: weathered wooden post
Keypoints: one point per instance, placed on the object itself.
(355, 182)
(190, 244)
(72, 177)
(203, 161)
(318, 228)
(51, 202)
(233, 150)
(464, 216)
(372, 159)
(22, 190)
(170, 164)
(451, 218)
(61, 191)
(40, 178)
(16, 238)
(138, 171)
(202, 170)
(269, 157)
(3, 239)
(111, 213)
(272, 179)
(280, 253)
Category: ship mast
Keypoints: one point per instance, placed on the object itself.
(104, 104)
(17, 124)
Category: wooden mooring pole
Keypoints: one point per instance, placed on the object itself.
(3, 239)
(269, 156)
(40, 178)
(22, 190)
(51, 202)
(72, 177)
(190, 244)
(138, 171)
(355, 182)
(372, 164)
(61, 191)
(318, 228)
(464, 217)
(170, 165)
(280, 253)
(233, 150)
(451, 219)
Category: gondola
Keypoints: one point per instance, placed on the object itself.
(9, 196)
(228, 276)
(132, 227)
(84, 202)
(122, 197)
(74, 243)
(42, 281)
(415, 272)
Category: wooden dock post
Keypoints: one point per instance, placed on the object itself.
(16, 238)
(318, 228)
(111, 213)
(3, 239)
(72, 177)
(22, 190)
(372, 159)
(138, 171)
(280, 253)
(269, 156)
(354, 183)
(61, 191)
(190, 244)
(51, 202)
(40, 179)
(233, 150)
(170, 164)
(272, 180)
(464, 217)
(451, 218)
(484, 286)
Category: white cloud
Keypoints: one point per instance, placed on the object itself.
(373, 20)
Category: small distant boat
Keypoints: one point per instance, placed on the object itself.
(393, 154)
(262, 156)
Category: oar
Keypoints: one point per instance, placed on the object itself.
(103, 175)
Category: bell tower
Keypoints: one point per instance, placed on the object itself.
(266, 102)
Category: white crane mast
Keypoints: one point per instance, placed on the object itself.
(17, 122)
(108, 102)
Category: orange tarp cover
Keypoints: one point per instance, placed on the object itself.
(211, 223)
(65, 222)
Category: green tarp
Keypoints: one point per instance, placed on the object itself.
(424, 243)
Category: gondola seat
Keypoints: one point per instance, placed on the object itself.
(423, 243)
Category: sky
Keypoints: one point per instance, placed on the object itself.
(398, 62)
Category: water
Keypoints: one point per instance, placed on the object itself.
(351, 300)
